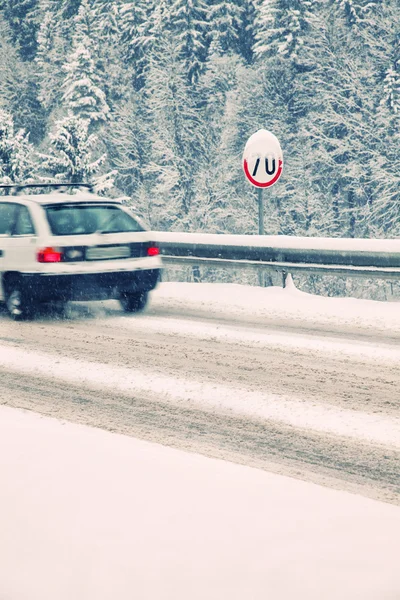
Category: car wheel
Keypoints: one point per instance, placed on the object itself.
(134, 302)
(19, 305)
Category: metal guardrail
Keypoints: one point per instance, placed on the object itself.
(285, 254)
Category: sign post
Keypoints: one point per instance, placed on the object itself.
(262, 165)
(260, 211)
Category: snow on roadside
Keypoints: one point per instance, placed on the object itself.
(266, 305)
(323, 418)
(89, 514)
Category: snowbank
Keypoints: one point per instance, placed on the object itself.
(289, 306)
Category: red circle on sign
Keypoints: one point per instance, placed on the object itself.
(257, 183)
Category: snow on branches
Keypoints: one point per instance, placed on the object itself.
(15, 151)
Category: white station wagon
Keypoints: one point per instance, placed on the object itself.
(57, 247)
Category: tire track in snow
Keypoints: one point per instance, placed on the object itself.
(289, 411)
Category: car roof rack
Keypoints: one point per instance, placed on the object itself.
(54, 186)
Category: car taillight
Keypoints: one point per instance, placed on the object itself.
(153, 251)
(49, 255)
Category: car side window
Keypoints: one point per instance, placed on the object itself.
(24, 224)
(7, 217)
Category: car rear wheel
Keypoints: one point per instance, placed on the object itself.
(19, 303)
(134, 302)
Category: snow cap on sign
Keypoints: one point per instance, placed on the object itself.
(263, 159)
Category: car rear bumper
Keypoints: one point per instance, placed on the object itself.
(90, 286)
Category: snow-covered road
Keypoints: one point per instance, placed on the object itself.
(274, 378)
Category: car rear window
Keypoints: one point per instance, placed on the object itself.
(73, 219)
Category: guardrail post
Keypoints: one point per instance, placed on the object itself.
(196, 274)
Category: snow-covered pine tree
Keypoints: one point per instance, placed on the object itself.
(225, 17)
(157, 29)
(16, 153)
(51, 49)
(356, 12)
(108, 52)
(22, 16)
(382, 213)
(18, 88)
(190, 27)
(218, 204)
(247, 31)
(48, 5)
(176, 134)
(133, 25)
(342, 123)
(71, 157)
(82, 85)
(12, 69)
(64, 12)
(391, 83)
(45, 38)
(128, 144)
(69, 8)
(281, 29)
(105, 19)
(263, 25)
(391, 90)
(83, 24)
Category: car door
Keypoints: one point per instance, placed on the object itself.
(8, 211)
(23, 241)
(17, 240)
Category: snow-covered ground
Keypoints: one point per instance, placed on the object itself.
(287, 306)
(86, 514)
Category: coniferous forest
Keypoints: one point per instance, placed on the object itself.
(154, 101)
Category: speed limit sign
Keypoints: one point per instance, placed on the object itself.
(263, 159)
